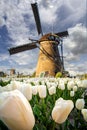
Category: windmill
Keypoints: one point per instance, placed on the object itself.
(12, 71)
(49, 60)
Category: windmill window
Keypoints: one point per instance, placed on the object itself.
(51, 38)
(54, 38)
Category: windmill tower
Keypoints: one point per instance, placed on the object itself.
(49, 60)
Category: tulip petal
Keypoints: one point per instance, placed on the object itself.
(61, 110)
(16, 112)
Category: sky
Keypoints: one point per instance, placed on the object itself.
(17, 25)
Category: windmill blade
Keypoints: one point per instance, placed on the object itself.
(37, 18)
(62, 34)
(21, 48)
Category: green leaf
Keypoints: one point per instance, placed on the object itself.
(36, 110)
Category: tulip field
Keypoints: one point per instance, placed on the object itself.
(43, 104)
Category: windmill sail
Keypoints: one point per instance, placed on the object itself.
(62, 34)
(37, 18)
(21, 48)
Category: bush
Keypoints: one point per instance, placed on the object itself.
(58, 75)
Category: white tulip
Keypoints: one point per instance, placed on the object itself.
(34, 89)
(26, 89)
(58, 102)
(72, 93)
(79, 83)
(48, 84)
(65, 80)
(84, 83)
(70, 85)
(42, 91)
(80, 104)
(53, 84)
(15, 84)
(75, 88)
(84, 113)
(61, 110)
(52, 90)
(15, 111)
(61, 86)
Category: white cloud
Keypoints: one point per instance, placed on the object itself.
(75, 48)
(14, 13)
(76, 67)
(69, 13)
(3, 57)
(71, 57)
(3, 68)
(26, 58)
(49, 15)
(2, 22)
(76, 43)
(25, 70)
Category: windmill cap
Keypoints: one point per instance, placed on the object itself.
(50, 37)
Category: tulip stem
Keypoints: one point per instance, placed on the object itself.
(43, 101)
(54, 98)
(60, 127)
(53, 126)
(43, 104)
(65, 124)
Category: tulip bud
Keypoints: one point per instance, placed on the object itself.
(42, 91)
(61, 86)
(15, 85)
(48, 84)
(80, 104)
(72, 93)
(52, 90)
(75, 88)
(79, 83)
(26, 89)
(84, 113)
(15, 111)
(34, 89)
(70, 85)
(61, 110)
(84, 83)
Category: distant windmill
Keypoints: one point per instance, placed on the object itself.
(12, 71)
(49, 60)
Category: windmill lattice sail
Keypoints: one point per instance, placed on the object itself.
(37, 18)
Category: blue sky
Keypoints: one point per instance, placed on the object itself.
(17, 25)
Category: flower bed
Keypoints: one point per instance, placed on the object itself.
(57, 103)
